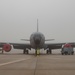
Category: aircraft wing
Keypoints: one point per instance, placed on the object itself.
(21, 45)
(57, 45)
(18, 45)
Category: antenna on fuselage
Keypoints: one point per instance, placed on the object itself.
(37, 26)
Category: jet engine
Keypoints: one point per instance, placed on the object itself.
(7, 47)
(67, 49)
(67, 45)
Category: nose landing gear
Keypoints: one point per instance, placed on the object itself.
(37, 51)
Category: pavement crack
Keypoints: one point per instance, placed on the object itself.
(35, 66)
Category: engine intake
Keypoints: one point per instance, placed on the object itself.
(67, 45)
(7, 47)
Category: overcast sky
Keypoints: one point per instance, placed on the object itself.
(18, 19)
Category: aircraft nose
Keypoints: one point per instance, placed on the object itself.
(37, 40)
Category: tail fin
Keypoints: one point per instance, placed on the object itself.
(37, 26)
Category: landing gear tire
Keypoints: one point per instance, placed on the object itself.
(62, 53)
(72, 53)
(35, 52)
(49, 52)
(2, 51)
(25, 51)
(66, 53)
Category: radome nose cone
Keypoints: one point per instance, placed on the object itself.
(37, 41)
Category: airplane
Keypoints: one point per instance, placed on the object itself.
(37, 41)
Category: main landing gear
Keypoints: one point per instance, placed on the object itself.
(49, 51)
(25, 51)
(2, 51)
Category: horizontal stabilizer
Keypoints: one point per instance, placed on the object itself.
(25, 39)
(49, 39)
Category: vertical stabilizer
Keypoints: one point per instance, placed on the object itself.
(37, 26)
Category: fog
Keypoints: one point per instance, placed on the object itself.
(18, 19)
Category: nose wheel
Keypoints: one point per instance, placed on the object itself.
(37, 51)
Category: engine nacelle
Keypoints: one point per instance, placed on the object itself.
(67, 45)
(67, 49)
(7, 47)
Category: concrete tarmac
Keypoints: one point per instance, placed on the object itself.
(20, 64)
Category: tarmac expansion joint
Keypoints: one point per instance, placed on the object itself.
(35, 66)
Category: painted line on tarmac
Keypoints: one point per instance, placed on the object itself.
(11, 62)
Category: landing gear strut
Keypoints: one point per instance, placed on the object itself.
(25, 51)
(2, 51)
(37, 51)
(49, 51)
